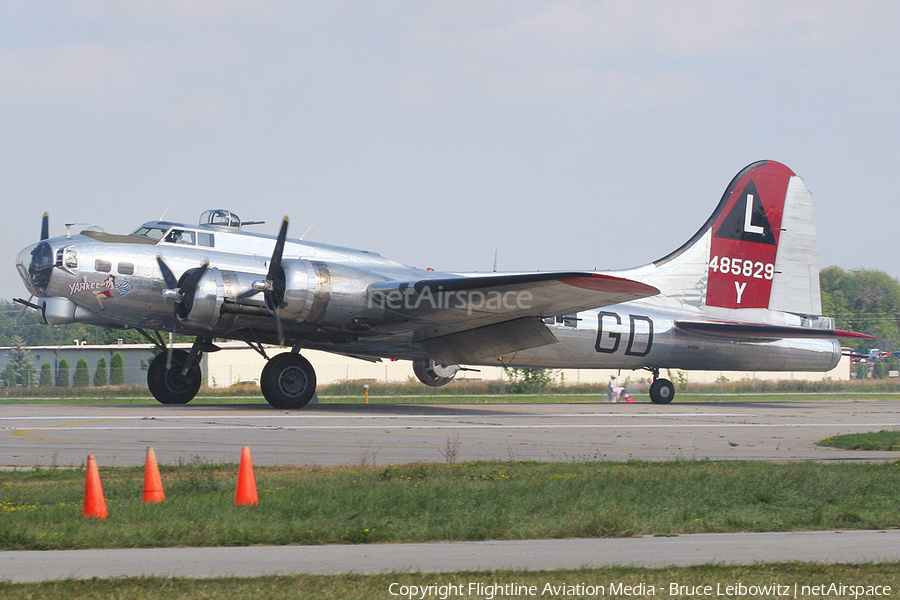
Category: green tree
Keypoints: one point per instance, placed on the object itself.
(9, 376)
(82, 376)
(46, 375)
(867, 301)
(528, 381)
(62, 373)
(863, 300)
(117, 369)
(19, 370)
(100, 377)
(35, 333)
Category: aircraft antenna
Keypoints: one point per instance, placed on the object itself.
(495, 259)
(165, 211)
(307, 231)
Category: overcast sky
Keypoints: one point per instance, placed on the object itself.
(566, 135)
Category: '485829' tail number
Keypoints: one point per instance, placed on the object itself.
(739, 266)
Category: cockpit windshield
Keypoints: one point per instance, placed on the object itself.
(154, 233)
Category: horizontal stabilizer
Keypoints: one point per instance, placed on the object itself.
(758, 331)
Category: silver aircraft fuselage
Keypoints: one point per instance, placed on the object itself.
(114, 280)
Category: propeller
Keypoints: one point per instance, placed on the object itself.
(45, 226)
(274, 285)
(182, 292)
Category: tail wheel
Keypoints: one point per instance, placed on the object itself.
(662, 391)
(288, 381)
(171, 386)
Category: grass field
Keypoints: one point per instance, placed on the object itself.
(41, 509)
(801, 578)
(878, 440)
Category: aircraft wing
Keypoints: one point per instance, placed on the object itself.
(462, 318)
(758, 331)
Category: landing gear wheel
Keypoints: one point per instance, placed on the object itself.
(433, 374)
(662, 391)
(288, 381)
(170, 386)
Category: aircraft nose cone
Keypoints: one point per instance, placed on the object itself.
(35, 266)
(23, 260)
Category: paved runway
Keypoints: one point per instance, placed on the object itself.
(341, 434)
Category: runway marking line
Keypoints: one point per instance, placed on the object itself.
(365, 416)
(73, 426)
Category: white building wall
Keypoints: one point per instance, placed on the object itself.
(237, 363)
(234, 365)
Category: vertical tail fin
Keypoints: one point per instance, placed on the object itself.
(756, 251)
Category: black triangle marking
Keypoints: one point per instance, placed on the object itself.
(735, 227)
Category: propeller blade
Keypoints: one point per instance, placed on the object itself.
(279, 328)
(275, 263)
(171, 344)
(45, 226)
(274, 293)
(167, 274)
(189, 285)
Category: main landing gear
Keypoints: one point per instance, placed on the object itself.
(288, 380)
(661, 390)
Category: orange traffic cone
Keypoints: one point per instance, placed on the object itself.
(153, 489)
(246, 485)
(94, 502)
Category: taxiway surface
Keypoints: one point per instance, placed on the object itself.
(442, 557)
(378, 434)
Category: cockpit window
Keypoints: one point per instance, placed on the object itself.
(154, 233)
(180, 236)
(206, 239)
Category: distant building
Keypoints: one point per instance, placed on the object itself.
(237, 363)
(132, 355)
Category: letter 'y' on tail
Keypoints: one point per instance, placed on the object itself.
(757, 250)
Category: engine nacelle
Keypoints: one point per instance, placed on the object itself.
(315, 293)
(202, 308)
(328, 294)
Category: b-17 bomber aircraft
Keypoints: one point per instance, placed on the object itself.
(741, 294)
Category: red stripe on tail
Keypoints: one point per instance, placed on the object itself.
(745, 238)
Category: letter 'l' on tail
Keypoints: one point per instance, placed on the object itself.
(756, 251)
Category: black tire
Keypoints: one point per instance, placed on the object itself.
(169, 386)
(662, 391)
(425, 371)
(288, 381)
